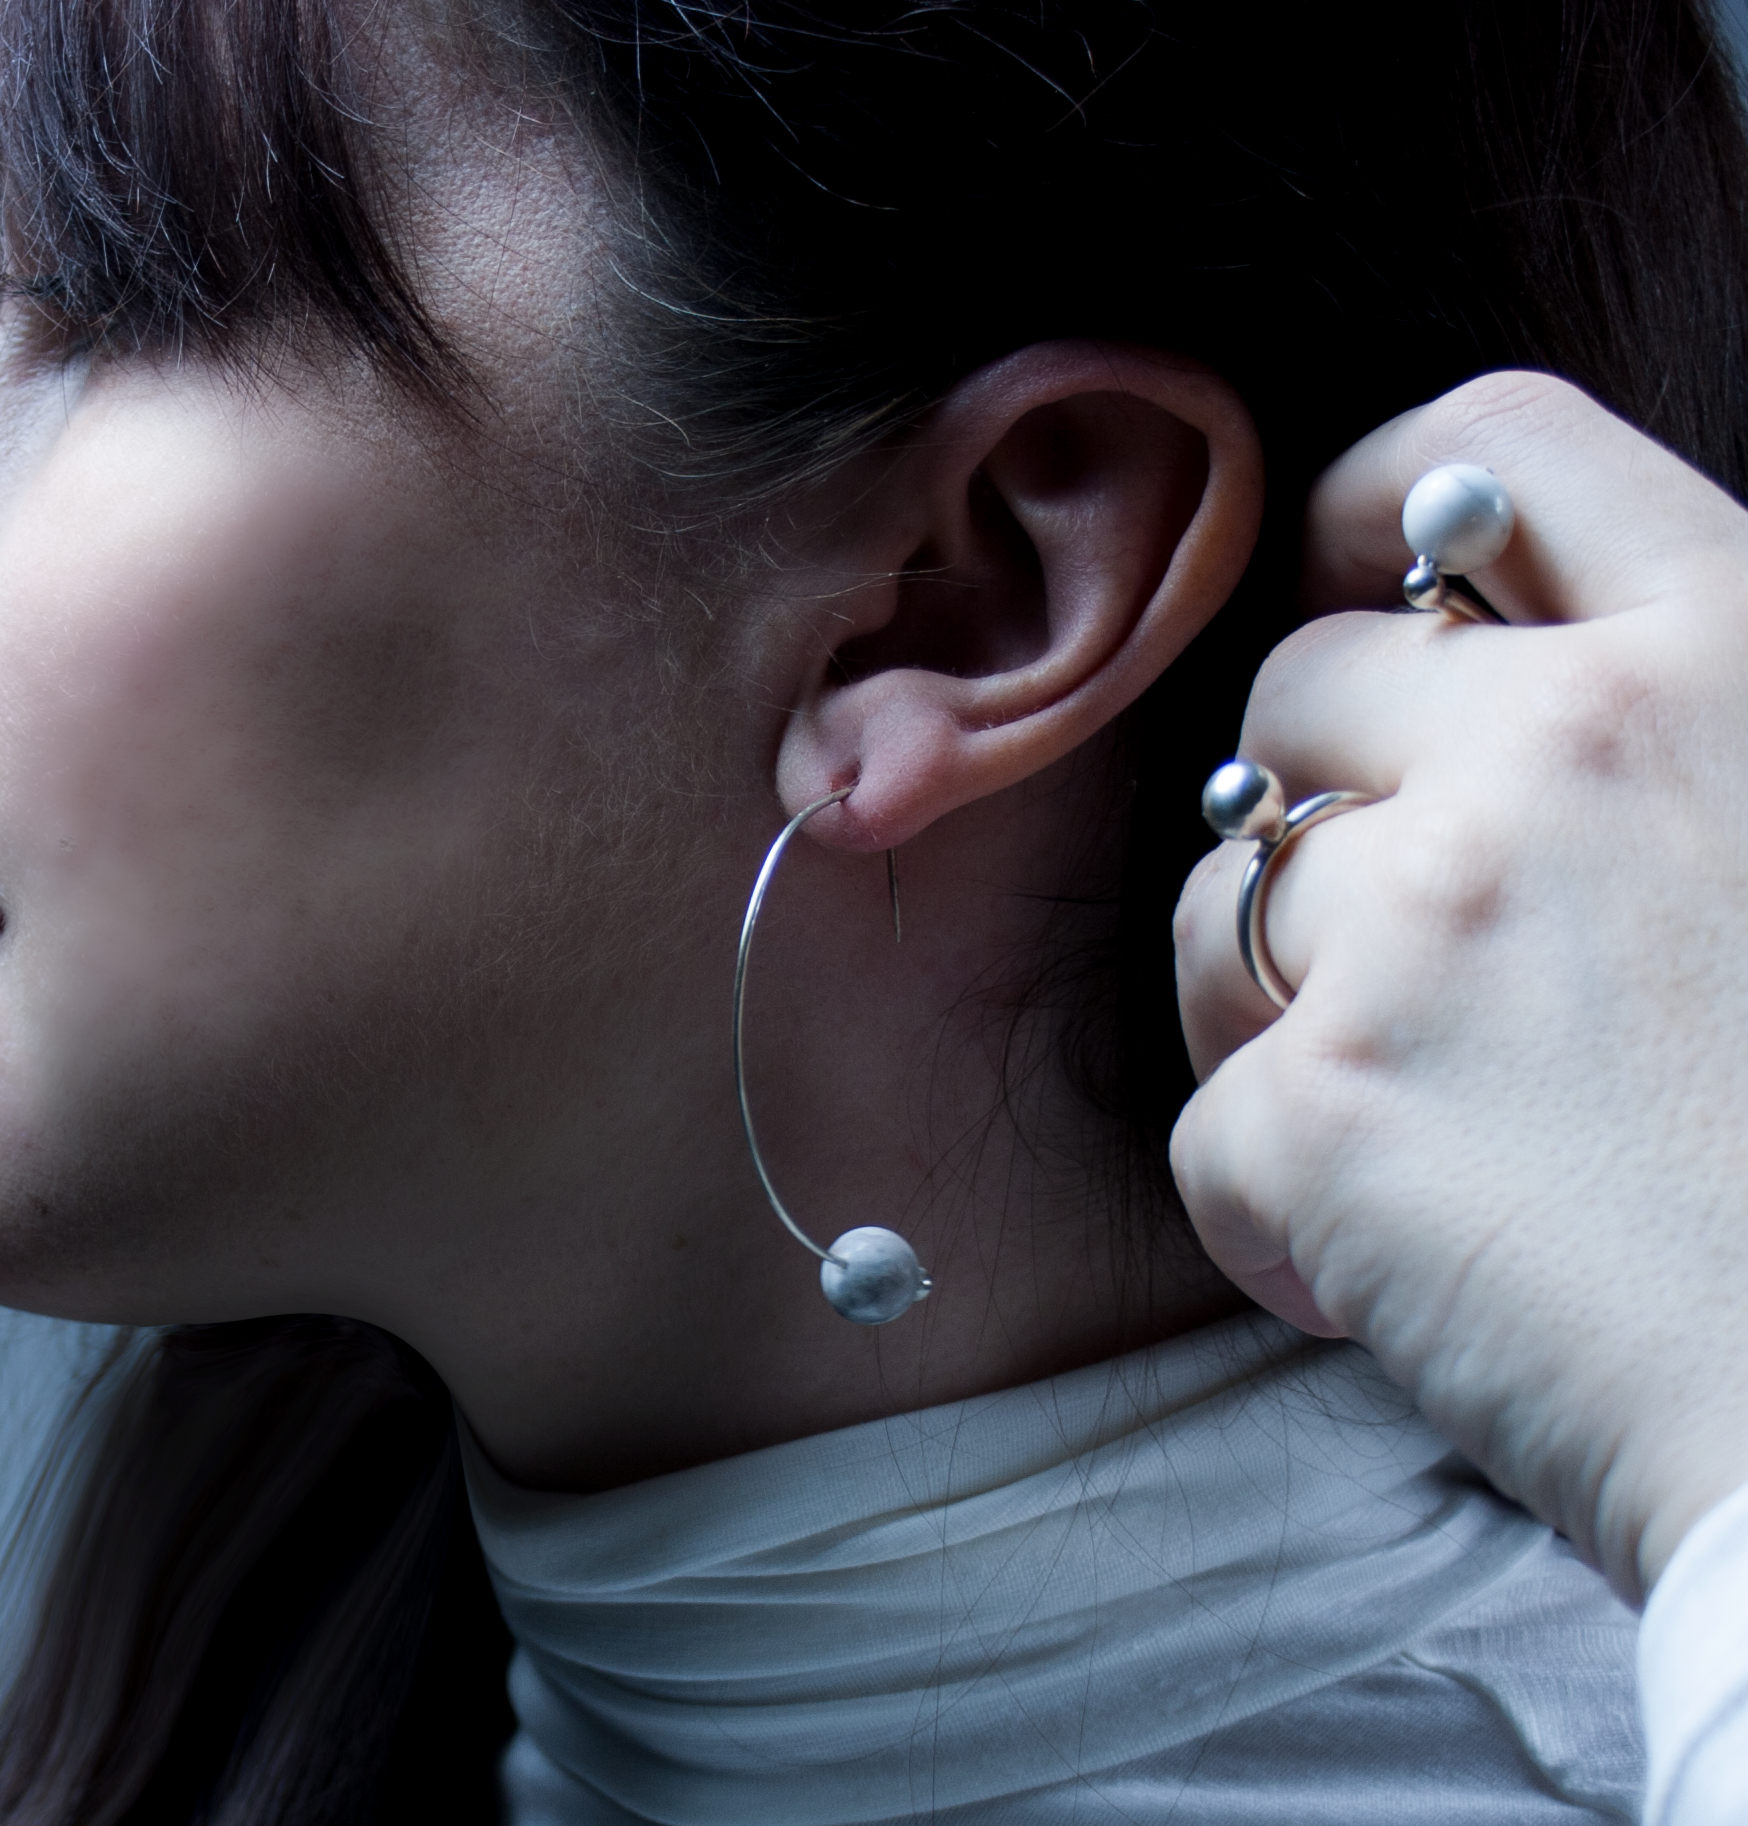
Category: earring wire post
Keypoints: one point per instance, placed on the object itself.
(754, 907)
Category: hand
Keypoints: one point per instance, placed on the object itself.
(1501, 1135)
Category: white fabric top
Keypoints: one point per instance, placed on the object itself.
(1231, 1579)
(1693, 1667)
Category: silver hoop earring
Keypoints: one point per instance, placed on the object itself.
(870, 1275)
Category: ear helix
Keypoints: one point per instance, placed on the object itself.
(869, 1275)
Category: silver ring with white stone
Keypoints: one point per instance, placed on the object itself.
(1244, 800)
(1456, 519)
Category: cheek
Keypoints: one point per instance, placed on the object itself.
(241, 749)
(325, 829)
(195, 815)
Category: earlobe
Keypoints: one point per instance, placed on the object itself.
(1066, 522)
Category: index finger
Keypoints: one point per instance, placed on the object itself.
(1607, 519)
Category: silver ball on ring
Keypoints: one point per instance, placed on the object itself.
(1459, 517)
(874, 1276)
(1423, 587)
(1242, 799)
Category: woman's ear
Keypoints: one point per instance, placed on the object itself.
(1039, 552)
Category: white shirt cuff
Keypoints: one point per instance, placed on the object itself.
(1693, 1675)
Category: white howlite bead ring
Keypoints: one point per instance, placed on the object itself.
(1458, 516)
(1456, 519)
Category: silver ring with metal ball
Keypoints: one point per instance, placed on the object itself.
(1243, 800)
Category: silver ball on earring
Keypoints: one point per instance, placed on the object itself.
(1459, 517)
(1242, 800)
(873, 1276)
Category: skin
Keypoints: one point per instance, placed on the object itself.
(378, 803)
(1497, 1136)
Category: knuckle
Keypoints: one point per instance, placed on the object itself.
(1506, 408)
(1292, 667)
(1274, 677)
(1187, 1149)
(1209, 1164)
(1274, 1126)
(1332, 1083)
(1200, 892)
(1448, 876)
(1587, 713)
(1318, 1104)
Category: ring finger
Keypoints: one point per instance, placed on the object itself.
(1221, 1006)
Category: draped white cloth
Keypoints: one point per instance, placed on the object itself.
(1231, 1579)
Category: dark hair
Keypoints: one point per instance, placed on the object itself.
(238, 1624)
(823, 217)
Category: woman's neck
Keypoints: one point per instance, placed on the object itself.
(620, 1301)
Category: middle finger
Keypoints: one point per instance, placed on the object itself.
(1350, 701)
